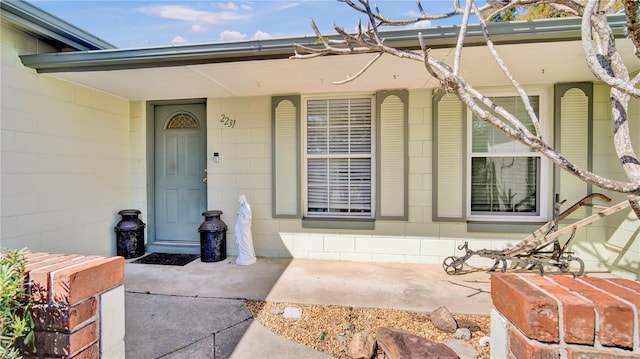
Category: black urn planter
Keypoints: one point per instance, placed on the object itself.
(130, 234)
(213, 237)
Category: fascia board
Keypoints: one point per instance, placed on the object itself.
(531, 31)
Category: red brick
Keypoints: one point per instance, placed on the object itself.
(628, 283)
(528, 308)
(583, 353)
(618, 291)
(63, 318)
(578, 315)
(67, 344)
(30, 256)
(34, 258)
(39, 277)
(46, 260)
(92, 352)
(521, 347)
(615, 317)
(37, 260)
(74, 284)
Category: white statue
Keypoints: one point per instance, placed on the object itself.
(244, 240)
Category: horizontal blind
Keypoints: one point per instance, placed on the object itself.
(339, 159)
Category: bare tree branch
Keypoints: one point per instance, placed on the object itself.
(461, 36)
(364, 69)
(601, 54)
(382, 21)
(594, 59)
(523, 95)
(425, 58)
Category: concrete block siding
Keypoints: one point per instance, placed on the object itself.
(245, 168)
(65, 158)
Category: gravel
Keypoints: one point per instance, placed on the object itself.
(325, 327)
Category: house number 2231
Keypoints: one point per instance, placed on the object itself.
(226, 121)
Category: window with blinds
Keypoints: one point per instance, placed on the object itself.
(338, 157)
(505, 175)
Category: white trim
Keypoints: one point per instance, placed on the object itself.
(304, 101)
(545, 114)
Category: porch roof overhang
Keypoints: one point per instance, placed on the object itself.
(539, 52)
(517, 32)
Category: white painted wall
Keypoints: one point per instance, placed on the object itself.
(138, 159)
(245, 167)
(64, 158)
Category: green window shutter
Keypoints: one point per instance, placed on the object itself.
(449, 158)
(285, 114)
(392, 154)
(574, 114)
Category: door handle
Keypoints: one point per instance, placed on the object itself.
(205, 179)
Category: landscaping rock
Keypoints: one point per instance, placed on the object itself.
(400, 344)
(277, 311)
(292, 313)
(462, 323)
(362, 346)
(463, 333)
(343, 337)
(484, 341)
(464, 350)
(443, 320)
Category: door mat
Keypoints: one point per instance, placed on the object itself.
(169, 259)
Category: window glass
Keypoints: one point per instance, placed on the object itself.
(505, 175)
(338, 157)
(504, 184)
(486, 138)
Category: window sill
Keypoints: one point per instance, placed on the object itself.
(339, 223)
(503, 227)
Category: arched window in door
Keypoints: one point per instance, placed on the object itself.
(180, 121)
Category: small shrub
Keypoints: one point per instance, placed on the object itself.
(16, 324)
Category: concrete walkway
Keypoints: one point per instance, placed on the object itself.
(197, 311)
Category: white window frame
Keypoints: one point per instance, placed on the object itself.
(544, 180)
(354, 216)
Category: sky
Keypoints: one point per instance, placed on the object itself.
(148, 23)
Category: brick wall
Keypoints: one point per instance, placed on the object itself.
(78, 305)
(564, 317)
